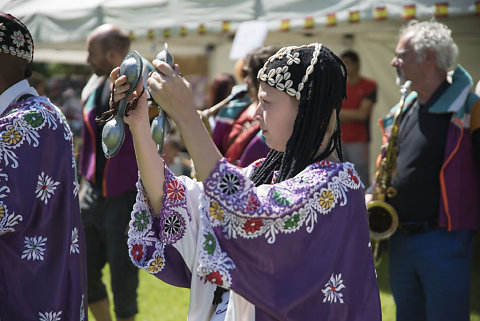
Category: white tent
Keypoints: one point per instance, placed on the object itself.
(201, 27)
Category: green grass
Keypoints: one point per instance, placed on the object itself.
(159, 301)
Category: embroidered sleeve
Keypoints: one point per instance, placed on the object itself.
(164, 245)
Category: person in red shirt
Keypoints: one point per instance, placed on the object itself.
(355, 115)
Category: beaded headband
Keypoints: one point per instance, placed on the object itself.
(288, 70)
(15, 39)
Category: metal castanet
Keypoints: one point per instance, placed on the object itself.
(113, 132)
(160, 124)
(382, 217)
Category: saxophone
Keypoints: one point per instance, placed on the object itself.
(382, 217)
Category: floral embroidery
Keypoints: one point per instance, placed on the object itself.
(21, 125)
(74, 247)
(172, 225)
(280, 208)
(292, 221)
(332, 289)
(326, 199)
(252, 225)
(280, 198)
(353, 177)
(156, 265)
(34, 119)
(34, 248)
(45, 187)
(210, 243)
(216, 211)
(18, 38)
(253, 204)
(137, 252)
(175, 190)
(140, 220)
(215, 278)
(229, 184)
(11, 136)
(2, 212)
(50, 316)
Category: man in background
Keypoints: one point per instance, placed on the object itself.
(42, 243)
(436, 178)
(108, 187)
(355, 115)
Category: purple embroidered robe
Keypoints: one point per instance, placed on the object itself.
(296, 250)
(42, 251)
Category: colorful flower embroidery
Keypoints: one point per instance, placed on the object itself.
(34, 248)
(353, 176)
(253, 204)
(229, 184)
(280, 198)
(11, 136)
(252, 225)
(137, 252)
(141, 220)
(210, 243)
(45, 187)
(18, 38)
(326, 199)
(292, 221)
(74, 247)
(34, 119)
(2, 212)
(172, 225)
(50, 316)
(215, 278)
(216, 211)
(175, 190)
(332, 289)
(156, 265)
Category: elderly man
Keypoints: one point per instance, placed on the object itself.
(437, 178)
(42, 244)
(108, 187)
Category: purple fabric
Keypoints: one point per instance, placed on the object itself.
(461, 177)
(298, 251)
(42, 244)
(120, 174)
(256, 149)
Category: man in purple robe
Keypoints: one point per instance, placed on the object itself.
(42, 244)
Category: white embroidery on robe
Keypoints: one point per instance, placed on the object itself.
(74, 247)
(50, 316)
(34, 248)
(46, 187)
(332, 289)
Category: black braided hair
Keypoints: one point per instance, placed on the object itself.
(323, 94)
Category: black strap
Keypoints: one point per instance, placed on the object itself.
(217, 296)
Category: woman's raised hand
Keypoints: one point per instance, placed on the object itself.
(171, 91)
(138, 116)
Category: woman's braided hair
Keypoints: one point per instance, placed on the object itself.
(320, 95)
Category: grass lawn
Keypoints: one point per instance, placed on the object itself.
(159, 301)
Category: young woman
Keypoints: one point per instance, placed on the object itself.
(287, 237)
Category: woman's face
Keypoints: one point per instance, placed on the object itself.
(276, 112)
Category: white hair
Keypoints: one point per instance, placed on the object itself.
(434, 36)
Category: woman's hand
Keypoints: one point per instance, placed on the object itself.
(171, 92)
(139, 116)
